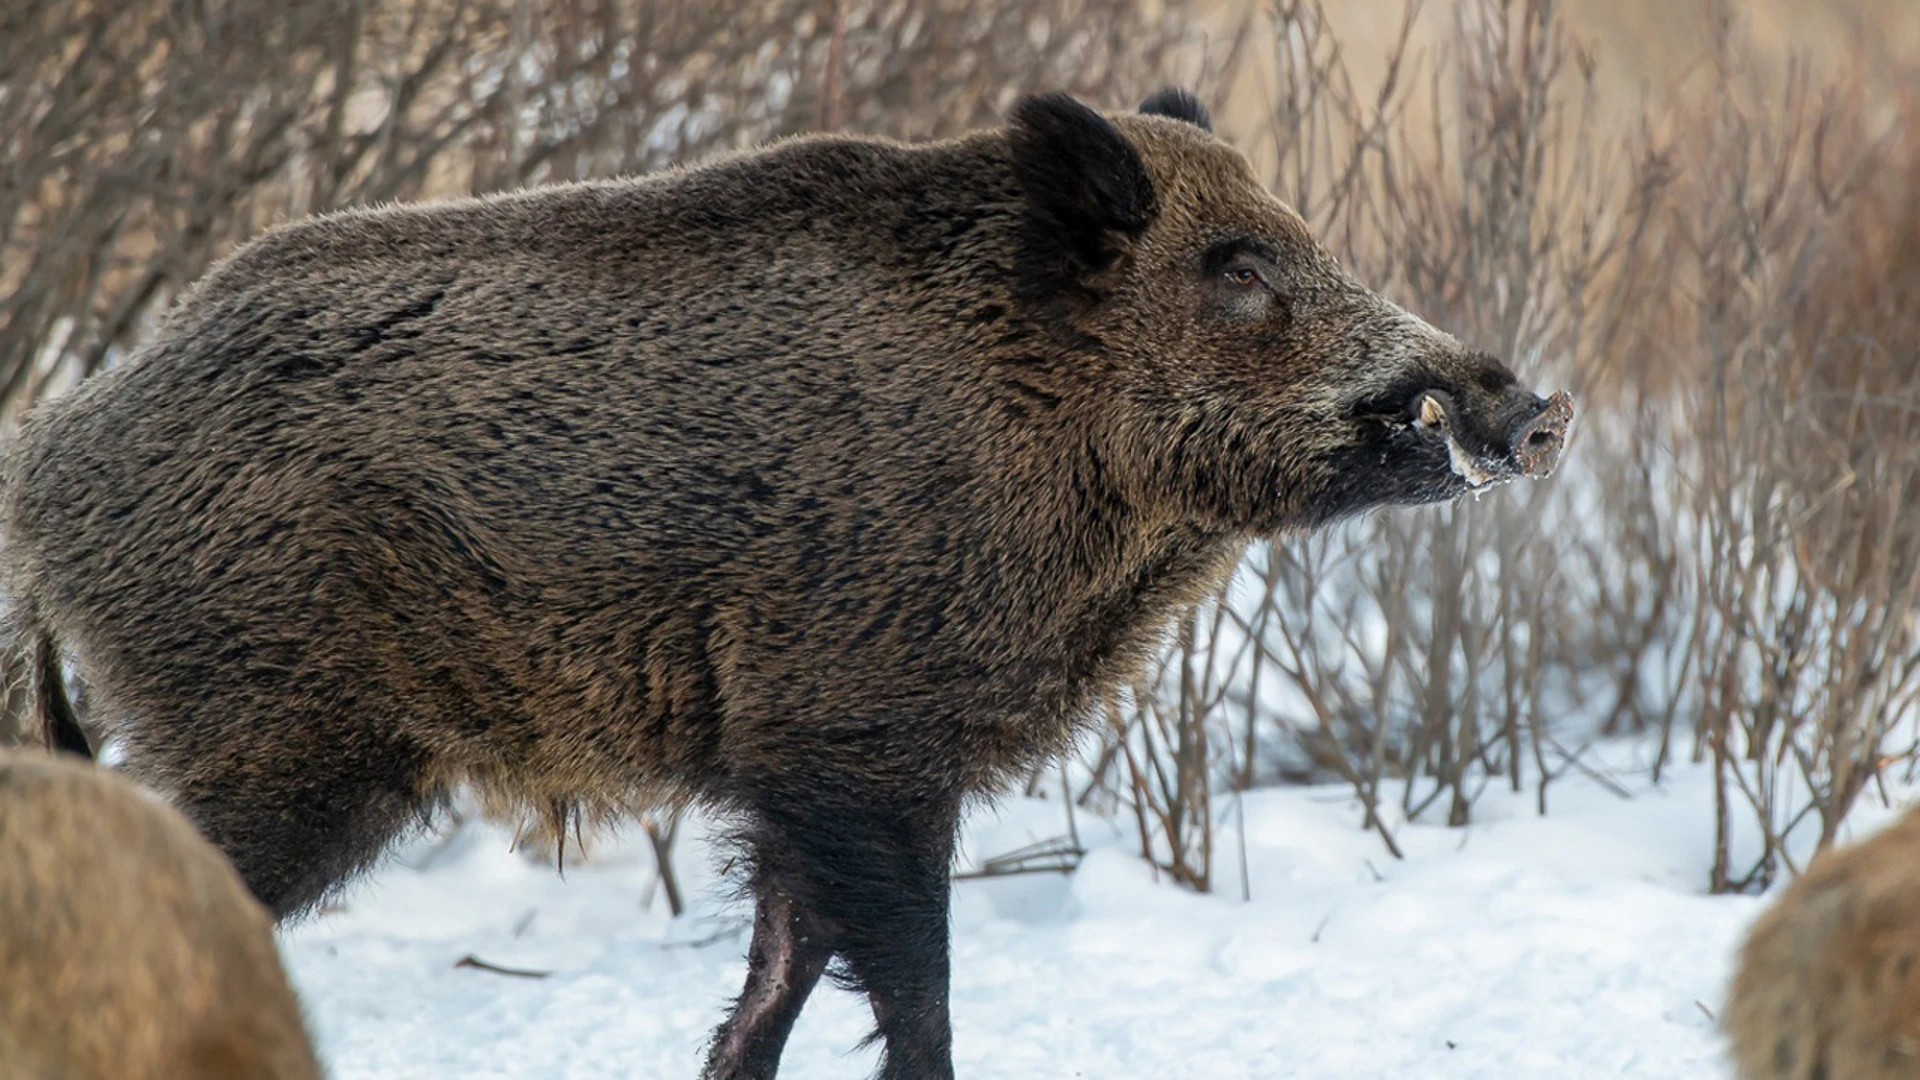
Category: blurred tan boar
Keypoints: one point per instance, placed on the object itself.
(1827, 986)
(129, 949)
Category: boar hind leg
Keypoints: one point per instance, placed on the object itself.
(784, 963)
(871, 879)
(298, 804)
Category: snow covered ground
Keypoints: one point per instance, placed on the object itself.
(1578, 945)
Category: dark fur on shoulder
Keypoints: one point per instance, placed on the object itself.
(829, 485)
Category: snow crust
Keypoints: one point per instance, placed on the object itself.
(1577, 945)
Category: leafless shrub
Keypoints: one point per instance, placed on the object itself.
(1798, 253)
(1429, 650)
(1728, 561)
(662, 830)
(1164, 749)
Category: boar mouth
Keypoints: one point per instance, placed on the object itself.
(1433, 419)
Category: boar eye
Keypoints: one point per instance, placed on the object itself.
(1243, 276)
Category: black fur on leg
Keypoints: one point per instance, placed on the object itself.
(872, 876)
(784, 963)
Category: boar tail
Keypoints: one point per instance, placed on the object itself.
(34, 655)
(58, 723)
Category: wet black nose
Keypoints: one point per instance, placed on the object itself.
(1538, 437)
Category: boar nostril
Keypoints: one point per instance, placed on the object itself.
(1538, 442)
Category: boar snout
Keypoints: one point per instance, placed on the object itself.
(1524, 440)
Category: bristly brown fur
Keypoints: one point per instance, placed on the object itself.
(828, 486)
(1827, 986)
(129, 948)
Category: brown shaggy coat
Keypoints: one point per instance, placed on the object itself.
(1828, 982)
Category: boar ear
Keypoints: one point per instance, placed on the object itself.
(1087, 189)
(1177, 104)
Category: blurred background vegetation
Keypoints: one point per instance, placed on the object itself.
(1697, 215)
